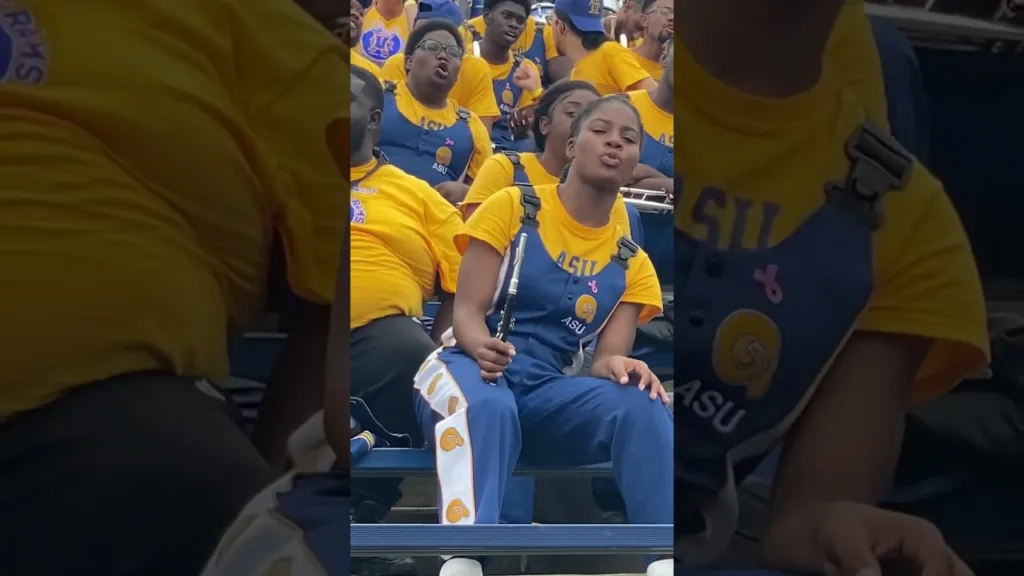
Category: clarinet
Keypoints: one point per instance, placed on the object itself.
(506, 321)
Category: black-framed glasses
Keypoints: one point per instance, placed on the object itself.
(435, 47)
(663, 11)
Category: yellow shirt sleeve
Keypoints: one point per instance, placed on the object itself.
(394, 69)
(623, 68)
(480, 97)
(361, 61)
(495, 174)
(443, 222)
(467, 38)
(550, 52)
(642, 287)
(295, 77)
(853, 54)
(494, 222)
(927, 285)
(481, 146)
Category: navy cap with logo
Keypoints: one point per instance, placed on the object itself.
(585, 15)
(444, 9)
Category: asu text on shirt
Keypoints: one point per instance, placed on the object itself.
(576, 248)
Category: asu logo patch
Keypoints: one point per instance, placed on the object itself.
(746, 351)
(450, 439)
(443, 156)
(356, 212)
(24, 52)
(456, 511)
(379, 44)
(586, 308)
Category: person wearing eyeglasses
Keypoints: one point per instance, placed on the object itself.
(426, 134)
(827, 284)
(609, 66)
(657, 18)
(472, 89)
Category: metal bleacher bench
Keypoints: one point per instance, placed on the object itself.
(553, 539)
(252, 359)
(495, 540)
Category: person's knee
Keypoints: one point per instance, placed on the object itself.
(498, 408)
(637, 410)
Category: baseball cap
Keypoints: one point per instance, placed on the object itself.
(585, 15)
(444, 9)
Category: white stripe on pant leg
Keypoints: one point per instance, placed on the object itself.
(453, 449)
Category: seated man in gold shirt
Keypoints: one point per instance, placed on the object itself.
(155, 167)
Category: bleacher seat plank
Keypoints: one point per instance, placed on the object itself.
(402, 462)
(510, 539)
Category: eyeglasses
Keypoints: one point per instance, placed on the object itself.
(664, 11)
(435, 47)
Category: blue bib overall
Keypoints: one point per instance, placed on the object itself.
(431, 153)
(537, 411)
(636, 226)
(658, 155)
(755, 331)
(508, 95)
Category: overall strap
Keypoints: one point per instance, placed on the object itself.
(878, 165)
(531, 205)
(627, 249)
(513, 157)
(519, 176)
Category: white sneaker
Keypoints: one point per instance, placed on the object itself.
(466, 567)
(664, 567)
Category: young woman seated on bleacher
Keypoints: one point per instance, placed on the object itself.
(581, 279)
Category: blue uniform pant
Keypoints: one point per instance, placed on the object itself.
(480, 432)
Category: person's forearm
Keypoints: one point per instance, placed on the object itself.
(296, 388)
(859, 412)
(469, 328)
(443, 319)
(766, 48)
